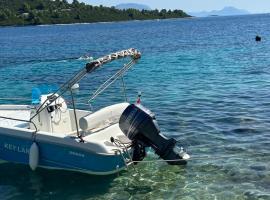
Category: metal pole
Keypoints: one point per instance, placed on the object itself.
(75, 116)
(124, 88)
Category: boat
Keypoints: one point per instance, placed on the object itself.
(51, 134)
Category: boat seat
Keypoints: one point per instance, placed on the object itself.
(103, 118)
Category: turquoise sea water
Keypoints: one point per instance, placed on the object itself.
(206, 79)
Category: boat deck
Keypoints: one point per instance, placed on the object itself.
(16, 112)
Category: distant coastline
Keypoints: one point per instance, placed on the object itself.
(46, 12)
(108, 22)
(226, 11)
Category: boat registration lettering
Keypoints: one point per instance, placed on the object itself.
(15, 148)
(76, 154)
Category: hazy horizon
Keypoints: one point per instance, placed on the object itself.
(260, 6)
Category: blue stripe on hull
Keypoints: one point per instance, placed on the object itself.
(54, 156)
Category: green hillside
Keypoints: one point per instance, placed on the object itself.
(34, 12)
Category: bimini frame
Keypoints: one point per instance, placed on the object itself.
(134, 54)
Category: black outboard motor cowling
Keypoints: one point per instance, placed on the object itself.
(140, 125)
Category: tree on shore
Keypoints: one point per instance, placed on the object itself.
(32, 12)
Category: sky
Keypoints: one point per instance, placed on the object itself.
(253, 6)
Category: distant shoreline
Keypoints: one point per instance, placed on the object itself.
(47, 12)
(121, 21)
(105, 22)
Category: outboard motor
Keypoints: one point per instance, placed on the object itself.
(140, 126)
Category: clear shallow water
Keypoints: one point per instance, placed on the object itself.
(206, 79)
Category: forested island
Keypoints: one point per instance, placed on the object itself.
(36, 12)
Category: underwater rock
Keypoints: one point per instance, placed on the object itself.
(256, 194)
(258, 167)
(121, 195)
